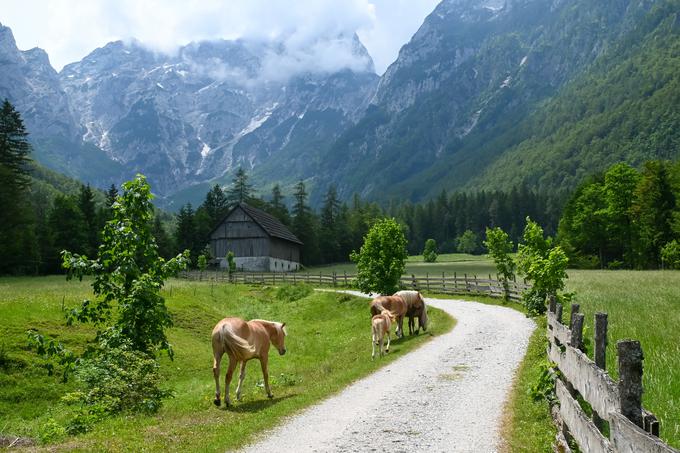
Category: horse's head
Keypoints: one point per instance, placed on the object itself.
(422, 319)
(278, 339)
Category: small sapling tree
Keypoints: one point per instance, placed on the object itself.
(500, 247)
(382, 258)
(430, 251)
(231, 262)
(544, 264)
(129, 314)
(202, 265)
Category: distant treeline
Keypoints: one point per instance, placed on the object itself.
(456, 222)
(625, 218)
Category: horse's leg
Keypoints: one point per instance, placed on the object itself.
(216, 375)
(265, 375)
(373, 340)
(400, 325)
(388, 342)
(241, 377)
(411, 325)
(227, 379)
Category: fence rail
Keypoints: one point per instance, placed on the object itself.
(617, 404)
(443, 284)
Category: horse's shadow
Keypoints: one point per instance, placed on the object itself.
(256, 405)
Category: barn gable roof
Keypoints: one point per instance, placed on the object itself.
(270, 224)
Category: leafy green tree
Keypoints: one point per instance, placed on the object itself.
(240, 190)
(500, 247)
(652, 213)
(620, 182)
(166, 247)
(382, 258)
(231, 261)
(468, 242)
(543, 263)
(430, 251)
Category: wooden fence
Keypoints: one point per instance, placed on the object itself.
(455, 284)
(616, 406)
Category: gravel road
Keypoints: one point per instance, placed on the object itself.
(446, 396)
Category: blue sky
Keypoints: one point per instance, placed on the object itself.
(70, 29)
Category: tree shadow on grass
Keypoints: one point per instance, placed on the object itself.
(256, 405)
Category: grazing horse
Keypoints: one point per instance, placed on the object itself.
(380, 326)
(396, 305)
(416, 308)
(243, 341)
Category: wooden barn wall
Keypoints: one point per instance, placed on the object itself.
(285, 250)
(240, 247)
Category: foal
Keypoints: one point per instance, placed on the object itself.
(380, 326)
(243, 341)
(396, 305)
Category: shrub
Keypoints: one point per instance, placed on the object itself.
(430, 251)
(500, 246)
(291, 293)
(231, 262)
(670, 255)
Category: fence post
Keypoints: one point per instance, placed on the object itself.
(455, 281)
(552, 303)
(600, 355)
(334, 279)
(577, 330)
(558, 312)
(467, 288)
(427, 280)
(575, 308)
(444, 283)
(630, 380)
(413, 281)
(476, 285)
(345, 273)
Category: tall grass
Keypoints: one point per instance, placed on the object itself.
(328, 348)
(644, 306)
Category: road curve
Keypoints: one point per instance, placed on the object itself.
(446, 396)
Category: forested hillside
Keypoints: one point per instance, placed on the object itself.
(625, 108)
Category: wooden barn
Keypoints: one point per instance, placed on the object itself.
(259, 241)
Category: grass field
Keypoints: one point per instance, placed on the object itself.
(644, 306)
(328, 347)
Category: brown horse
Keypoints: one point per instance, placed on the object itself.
(380, 326)
(243, 341)
(416, 308)
(395, 305)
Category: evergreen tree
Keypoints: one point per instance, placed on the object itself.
(68, 231)
(240, 190)
(163, 239)
(215, 205)
(88, 209)
(185, 235)
(277, 207)
(111, 195)
(18, 243)
(329, 243)
(304, 225)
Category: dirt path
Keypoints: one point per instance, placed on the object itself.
(447, 395)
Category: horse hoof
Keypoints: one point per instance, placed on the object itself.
(217, 402)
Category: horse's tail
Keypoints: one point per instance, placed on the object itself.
(238, 346)
(391, 314)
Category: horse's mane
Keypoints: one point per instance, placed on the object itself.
(275, 324)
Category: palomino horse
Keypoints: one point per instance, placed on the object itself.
(396, 305)
(380, 326)
(416, 308)
(243, 341)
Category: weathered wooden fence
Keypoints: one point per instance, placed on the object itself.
(443, 284)
(616, 406)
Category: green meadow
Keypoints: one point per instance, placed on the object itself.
(328, 348)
